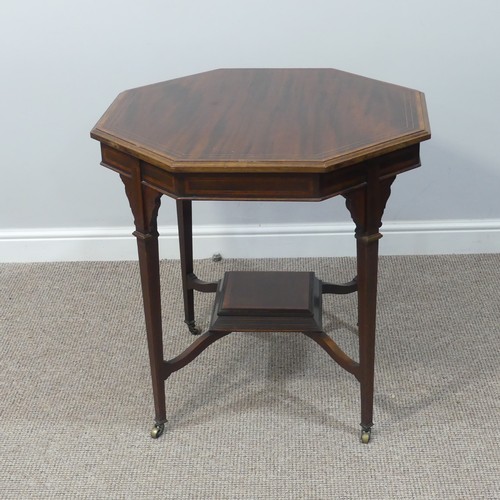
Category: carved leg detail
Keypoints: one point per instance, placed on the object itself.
(145, 203)
(366, 206)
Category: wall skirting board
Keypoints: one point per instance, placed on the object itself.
(287, 240)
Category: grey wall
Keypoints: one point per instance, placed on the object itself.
(64, 62)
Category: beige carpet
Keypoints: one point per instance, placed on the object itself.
(256, 416)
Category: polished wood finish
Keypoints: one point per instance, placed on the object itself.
(255, 120)
(184, 222)
(262, 186)
(267, 293)
(145, 204)
(262, 134)
(253, 301)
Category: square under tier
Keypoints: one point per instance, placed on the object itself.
(259, 301)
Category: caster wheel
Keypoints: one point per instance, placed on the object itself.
(193, 328)
(157, 430)
(365, 436)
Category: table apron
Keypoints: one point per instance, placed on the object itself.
(261, 186)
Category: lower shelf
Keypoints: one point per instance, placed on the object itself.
(267, 301)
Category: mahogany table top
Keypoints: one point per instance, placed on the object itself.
(264, 120)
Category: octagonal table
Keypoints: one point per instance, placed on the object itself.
(262, 134)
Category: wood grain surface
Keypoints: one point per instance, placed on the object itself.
(257, 120)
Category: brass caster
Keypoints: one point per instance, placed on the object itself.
(157, 430)
(365, 436)
(193, 328)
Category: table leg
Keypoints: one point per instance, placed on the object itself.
(185, 224)
(366, 206)
(145, 203)
(367, 261)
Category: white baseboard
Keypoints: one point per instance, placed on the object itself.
(249, 241)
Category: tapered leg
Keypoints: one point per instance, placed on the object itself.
(367, 263)
(145, 202)
(185, 224)
(366, 205)
(150, 279)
